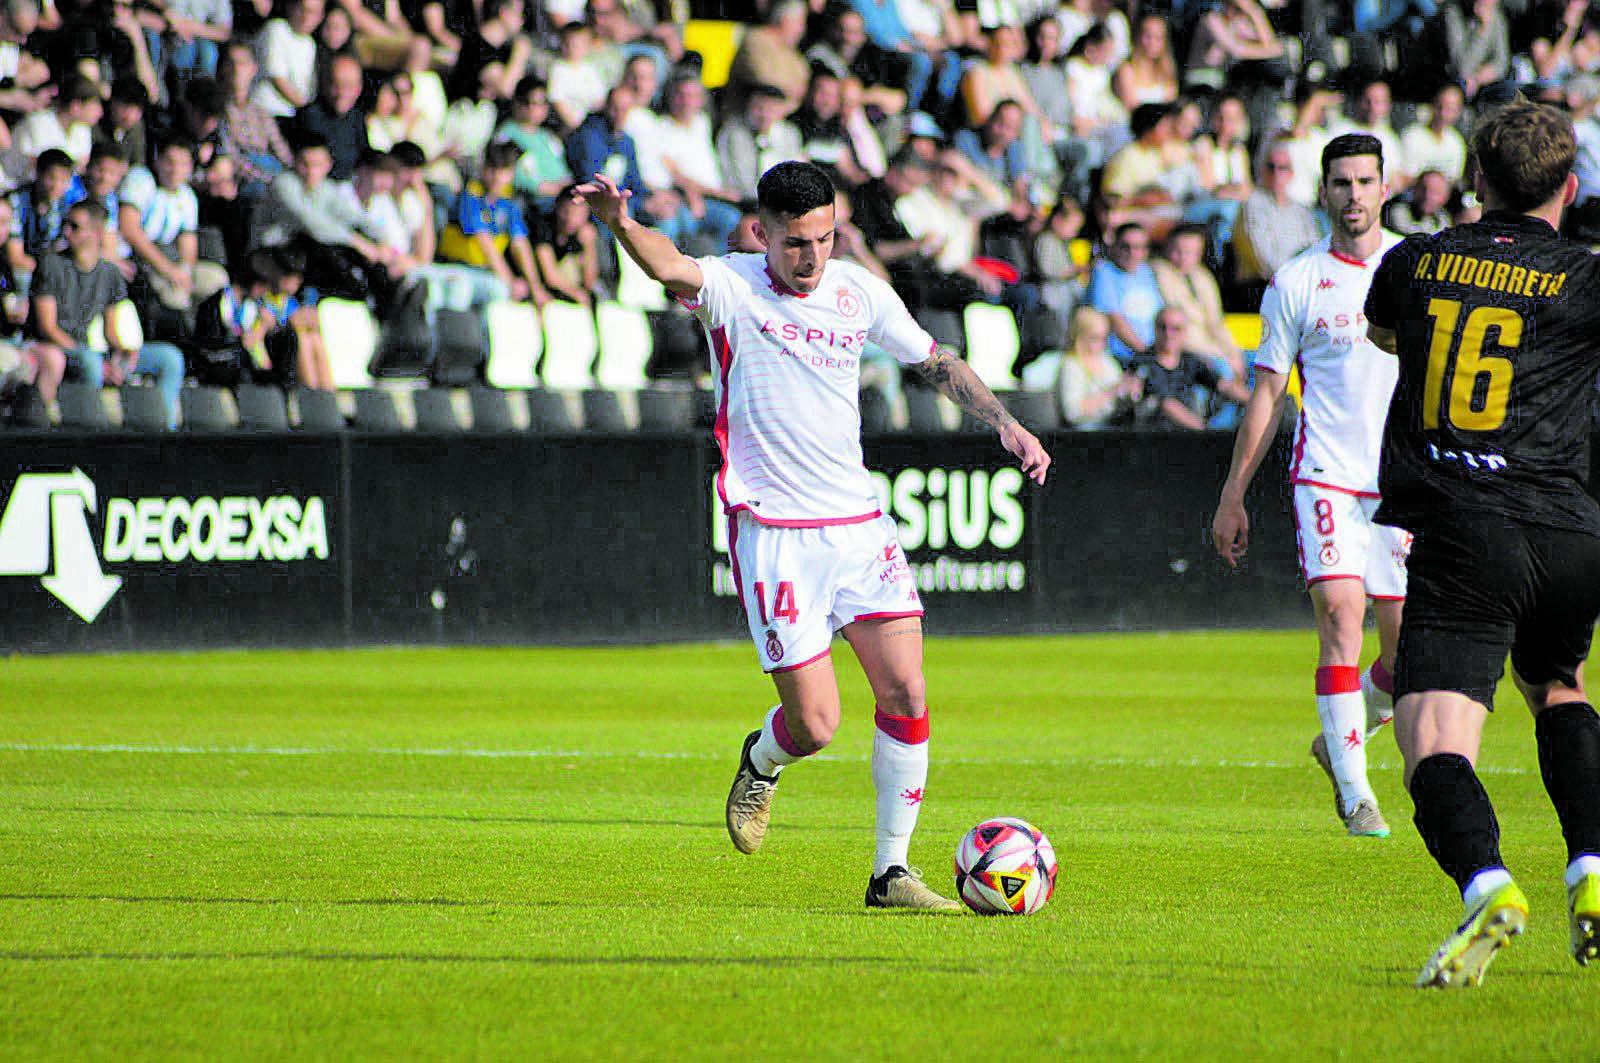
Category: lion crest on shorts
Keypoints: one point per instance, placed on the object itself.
(1329, 554)
(774, 646)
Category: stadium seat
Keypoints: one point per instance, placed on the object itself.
(1245, 330)
(570, 346)
(1080, 251)
(144, 409)
(666, 409)
(28, 411)
(83, 407)
(603, 411)
(1039, 411)
(315, 411)
(262, 408)
(993, 342)
(460, 348)
(129, 328)
(206, 409)
(351, 336)
(435, 411)
(376, 411)
(634, 286)
(717, 41)
(924, 412)
(625, 346)
(515, 343)
(493, 409)
(548, 413)
(875, 418)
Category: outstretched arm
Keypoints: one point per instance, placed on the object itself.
(955, 379)
(1230, 528)
(654, 251)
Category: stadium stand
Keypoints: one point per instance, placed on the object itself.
(263, 408)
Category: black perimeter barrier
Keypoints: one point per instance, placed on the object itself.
(198, 541)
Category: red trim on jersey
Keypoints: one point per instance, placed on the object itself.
(723, 353)
(786, 742)
(820, 522)
(1338, 679)
(1301, 482)
(887, 616)
(1387, 598)
(1346, 259)
(907, 729)
(780, 287)
(802, 664)
(733, 555)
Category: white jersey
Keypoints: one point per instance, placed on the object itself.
(788, 369)
(1313, 316)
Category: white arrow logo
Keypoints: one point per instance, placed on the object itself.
(46, 508)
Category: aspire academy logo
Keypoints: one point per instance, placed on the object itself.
(45, 532)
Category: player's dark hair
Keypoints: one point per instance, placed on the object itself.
(1349, 146)
(1524, 151)
(791, 189)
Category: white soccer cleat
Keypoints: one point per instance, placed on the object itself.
(749, 807)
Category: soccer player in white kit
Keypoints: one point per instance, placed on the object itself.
(812, 551)
(1313, 317)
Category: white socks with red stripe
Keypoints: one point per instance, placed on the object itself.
(1343, 712)
(1377, 689)
(775, 748)
(899, 773)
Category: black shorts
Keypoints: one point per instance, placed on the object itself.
(1479, 585)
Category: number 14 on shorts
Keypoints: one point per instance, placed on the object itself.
(783, 605)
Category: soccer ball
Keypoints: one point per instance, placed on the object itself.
(1005, 867)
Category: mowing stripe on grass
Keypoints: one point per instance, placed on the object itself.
(649, 754)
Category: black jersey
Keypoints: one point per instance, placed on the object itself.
(1498, 331)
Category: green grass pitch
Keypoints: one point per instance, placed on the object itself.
(519, 854)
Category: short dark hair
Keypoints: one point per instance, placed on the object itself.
(261, 267)
(409, 155)
(129, 90)
(76, 88)
(1524, 151)
(762, 90)
(382, 161)
(794, 188)
(290, 260)
(1350, 145)
(1146, 117)
(309, 140)
(95, 209)
(205, 97)
(52, 159)
(501, 155)
(108, 149)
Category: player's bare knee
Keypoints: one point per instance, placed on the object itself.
(905, 696)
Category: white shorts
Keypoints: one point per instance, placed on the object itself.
(800, 585)
(1338, 540)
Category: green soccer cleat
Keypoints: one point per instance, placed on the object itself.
(749, 807)
(1464, 957)
(901, 887)
(1583, 905)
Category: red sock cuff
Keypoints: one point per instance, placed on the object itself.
(910, 730)
(1381, 677)
(780, 731)
(1338, 679)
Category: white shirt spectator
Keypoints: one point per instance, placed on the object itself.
(43, 130)
(645, 127)
(283, 53)
(690, 149)
(164, 213)
(1422, 149)
(380, 219)
(579, 87)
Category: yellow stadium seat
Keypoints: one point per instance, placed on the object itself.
(1245, 330)
(716, 40)
(1080, 250)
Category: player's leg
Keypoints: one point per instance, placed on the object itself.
(1547, 664)
(783, 577)
(890, 651)
(1377, 682)
(1341, 605)
(1453, 643)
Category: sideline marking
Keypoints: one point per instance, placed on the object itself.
(597, 754)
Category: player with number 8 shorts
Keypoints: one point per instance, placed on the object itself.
(1313, 321)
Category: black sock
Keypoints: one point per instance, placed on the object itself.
(1569, 760)
(1454, 816)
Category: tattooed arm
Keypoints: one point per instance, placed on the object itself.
(954, 378)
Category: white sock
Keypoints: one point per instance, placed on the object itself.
(1377, 690)
(1583, 865)
(1482, 884)
(774, 748)
(899, 774)
(1344, 726)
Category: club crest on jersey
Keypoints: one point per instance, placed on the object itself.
(1325, 283)
(1329, 554)
(774, 646)
(849, 305)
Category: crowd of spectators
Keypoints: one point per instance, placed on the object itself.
(1119, 174)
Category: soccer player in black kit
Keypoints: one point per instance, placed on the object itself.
(1485, 460)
